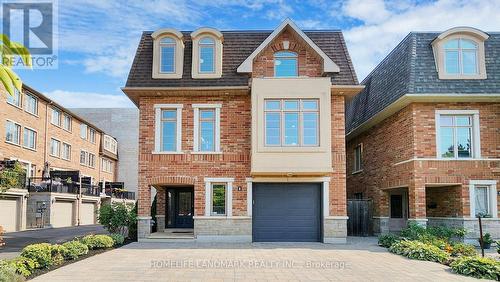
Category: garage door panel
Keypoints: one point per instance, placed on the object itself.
(63, 214)
(286, 212)
(87, 213)
(9, 214)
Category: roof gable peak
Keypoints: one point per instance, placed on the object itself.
(328, 64)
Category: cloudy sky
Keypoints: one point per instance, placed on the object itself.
(98, 38)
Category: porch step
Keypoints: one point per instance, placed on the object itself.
(167, 240)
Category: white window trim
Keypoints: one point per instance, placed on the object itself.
(158, 108)
(196, 145)
(20, 134)
(50, 147)
(229, 195)
(86, 131)
(89, 135)
(26, 104)
(86, 157)
(52, 116)
(20, 106)
(70, 129)
(476, 136)
(36, 137)
(70, 151)
(492, 196)
(178, 54)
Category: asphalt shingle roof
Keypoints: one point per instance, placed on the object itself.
(410, 68)
(238, 45)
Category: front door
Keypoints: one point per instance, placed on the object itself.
(180, 208)
(398, 210)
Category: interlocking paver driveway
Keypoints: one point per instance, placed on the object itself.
(360, 260)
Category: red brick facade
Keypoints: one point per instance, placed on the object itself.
(400, 151)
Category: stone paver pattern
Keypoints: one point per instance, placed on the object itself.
(359, 260)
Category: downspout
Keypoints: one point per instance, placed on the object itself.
(45, 156)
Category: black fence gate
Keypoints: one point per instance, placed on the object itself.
(360, 218)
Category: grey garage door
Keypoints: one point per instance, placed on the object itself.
(286, 212)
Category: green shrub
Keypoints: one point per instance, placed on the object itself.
(40, 253)
(118, 239)
(478, 267)
(432, 240)
(132, 227)
(23, 266)
(462, 249)
(413, 231)
(386, 240)
(75, 249)
(419, 250)
(117, 217)
(8, 273)
(97, 241)
(58, 252)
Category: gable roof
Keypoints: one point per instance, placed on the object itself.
(410, 69)
(328, 64)
(238, 45)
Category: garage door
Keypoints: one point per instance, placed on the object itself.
(62, 214)
(87, 213)
(285, 212)
(9, 214)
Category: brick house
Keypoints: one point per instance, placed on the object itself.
(423, 137)
(37, 130)
(241, 133)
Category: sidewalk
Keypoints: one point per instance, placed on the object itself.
(16, 241)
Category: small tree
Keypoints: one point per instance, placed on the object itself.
(117, 217)
(12, 177)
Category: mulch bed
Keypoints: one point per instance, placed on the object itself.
(38, 272)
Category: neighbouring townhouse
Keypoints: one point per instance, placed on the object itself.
(423, 137)
(241, 133)
(66, 161)
(123, 125)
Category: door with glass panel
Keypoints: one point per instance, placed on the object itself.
(180, 208)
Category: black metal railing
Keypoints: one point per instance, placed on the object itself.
(90, 190)
(41, 184)
(115, 193)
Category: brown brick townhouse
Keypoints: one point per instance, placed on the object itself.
(242, 133)
(423, 137)
(36, 131)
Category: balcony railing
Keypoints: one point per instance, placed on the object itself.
(40, 184)
(91, 190)
(115, 193)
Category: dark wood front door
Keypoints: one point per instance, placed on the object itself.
(180, 207)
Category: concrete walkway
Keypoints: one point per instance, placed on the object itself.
(16, 241)
(359, 260)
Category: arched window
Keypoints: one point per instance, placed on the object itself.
(461, 56)
(207, 55)
(167, 55)
(285, 64)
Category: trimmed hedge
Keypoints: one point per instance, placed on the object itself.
(98, 241)
(478, 267)
(75, 249)
(420, 251)
(40, 253)
(118, 239)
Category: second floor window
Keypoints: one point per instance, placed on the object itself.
(456, 136)
(55, 147)
(92, 135)
(56, 117)
(12, 132)
(358, 158)
(29, 138)
(83, 131)
(169, 130)
(67, 122)
(110, 144)
(167, 55)
(291, 122)
(285, 64)
(31, 104)
(14, 99)
(66, 151)
(461, 57)
(207, 55)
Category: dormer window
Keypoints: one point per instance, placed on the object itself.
(459, 53)
(207, 53)
(460, 57)
(285, 64)
(168, 53)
